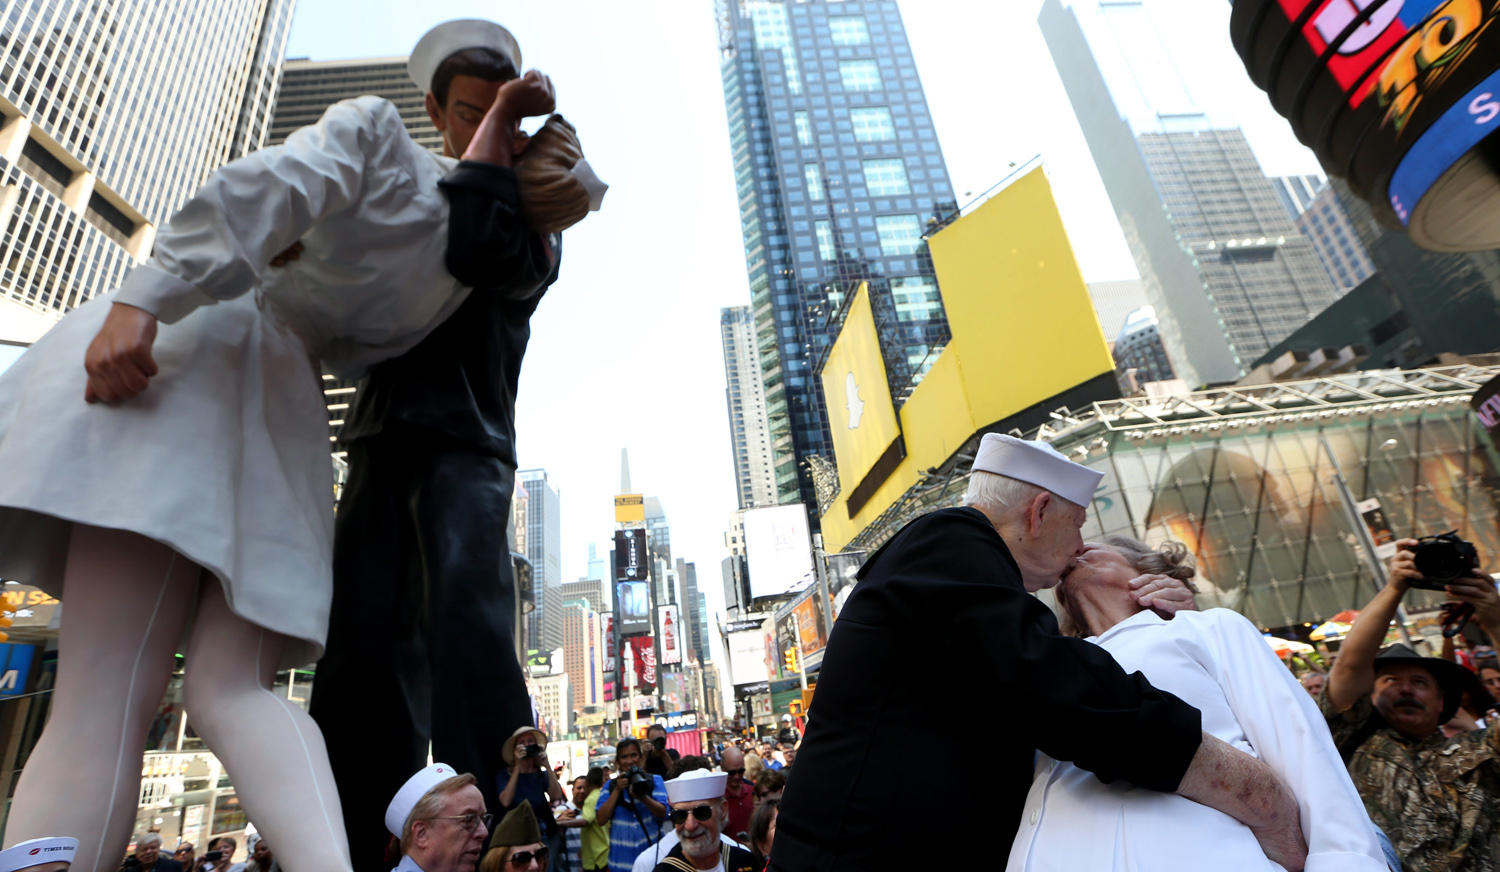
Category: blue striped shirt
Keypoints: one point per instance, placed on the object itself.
(626, 838)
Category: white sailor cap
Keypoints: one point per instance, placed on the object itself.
(1037, 463)
(38, 851)
(695, 785)
(412, 792)
(452, 37)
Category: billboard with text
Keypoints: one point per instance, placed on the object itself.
(778, 550)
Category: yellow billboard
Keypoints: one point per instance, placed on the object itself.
(1025, 340)
(861, 414)
(629, 507)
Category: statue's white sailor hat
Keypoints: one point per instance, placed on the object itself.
(38, 851)
(1037, 463)
(452, 37)
(412, 792)
(699, 784)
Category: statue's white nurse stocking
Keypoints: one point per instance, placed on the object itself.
(273, 751)
(126, 600)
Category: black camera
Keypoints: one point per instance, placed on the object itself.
(1443, 558)
(640, 783)
(534, 751)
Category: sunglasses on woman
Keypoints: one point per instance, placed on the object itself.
(521, 859)
(701, 812)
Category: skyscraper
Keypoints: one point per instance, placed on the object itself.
(583, 653)
(544, 550)
(694, 622)
(1226, 270)
(113, 115)
(839, 175)
(745, 395)
(308, 88)
(1325, 222)
(1113, 301)
(1138, 347)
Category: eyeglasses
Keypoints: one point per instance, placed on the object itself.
(701, 812)
(739, 771)
(521, 859)
(467, 821)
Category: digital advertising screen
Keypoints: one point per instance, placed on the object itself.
(634, 607)
(778, 550)
(632, 560)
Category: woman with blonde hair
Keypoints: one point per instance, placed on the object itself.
(516, 845)
(1218, 662)
(754, 766)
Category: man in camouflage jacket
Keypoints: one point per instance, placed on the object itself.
(1438, 799)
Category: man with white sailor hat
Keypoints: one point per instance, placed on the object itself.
(956, 585)
(696, 799)
(440, 819)
(421, 638)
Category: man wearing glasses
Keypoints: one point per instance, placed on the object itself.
(440, 819)
(739, 794)
(697, 800)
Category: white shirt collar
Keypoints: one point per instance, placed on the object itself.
(1143, 618)
(407, 864)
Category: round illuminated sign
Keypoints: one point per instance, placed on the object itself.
(1401, 98)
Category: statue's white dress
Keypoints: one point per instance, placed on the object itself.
(1217, 662)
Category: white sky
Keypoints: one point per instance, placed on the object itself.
(625, 348)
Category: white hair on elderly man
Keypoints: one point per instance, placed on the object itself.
(148, 840)
(998, 492)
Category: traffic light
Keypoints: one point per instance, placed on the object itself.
(791, 660)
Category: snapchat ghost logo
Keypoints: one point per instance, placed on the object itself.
(855, 405)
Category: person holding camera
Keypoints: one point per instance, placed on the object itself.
(1437, 798)
(635, 805)
(531, 779)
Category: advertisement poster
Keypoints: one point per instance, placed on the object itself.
(643, 653)
(778, 550)
(611, 656)
(632, 562)
(634, 607)
(1380, 528)
(842, 571)
(673, 691)
(812, 633)
(788, 660)
(747, 655)
(671, 635)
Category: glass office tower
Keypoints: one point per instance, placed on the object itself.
(839, 177)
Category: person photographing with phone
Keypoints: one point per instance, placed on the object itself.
(1437, 798)
(530, 779)
(635, 805)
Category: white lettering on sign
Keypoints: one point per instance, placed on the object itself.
(10, 680)
(1484, 108)
(683, 721)
(1489, 411)
(1337, 15)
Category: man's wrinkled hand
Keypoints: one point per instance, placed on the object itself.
(1404, 566)
(1164, 594)
(119, 361)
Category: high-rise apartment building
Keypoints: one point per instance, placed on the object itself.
(583, 653)
(111, 116)
(839, 176)
(544, 550)
(1225, 268)
(745, 396)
